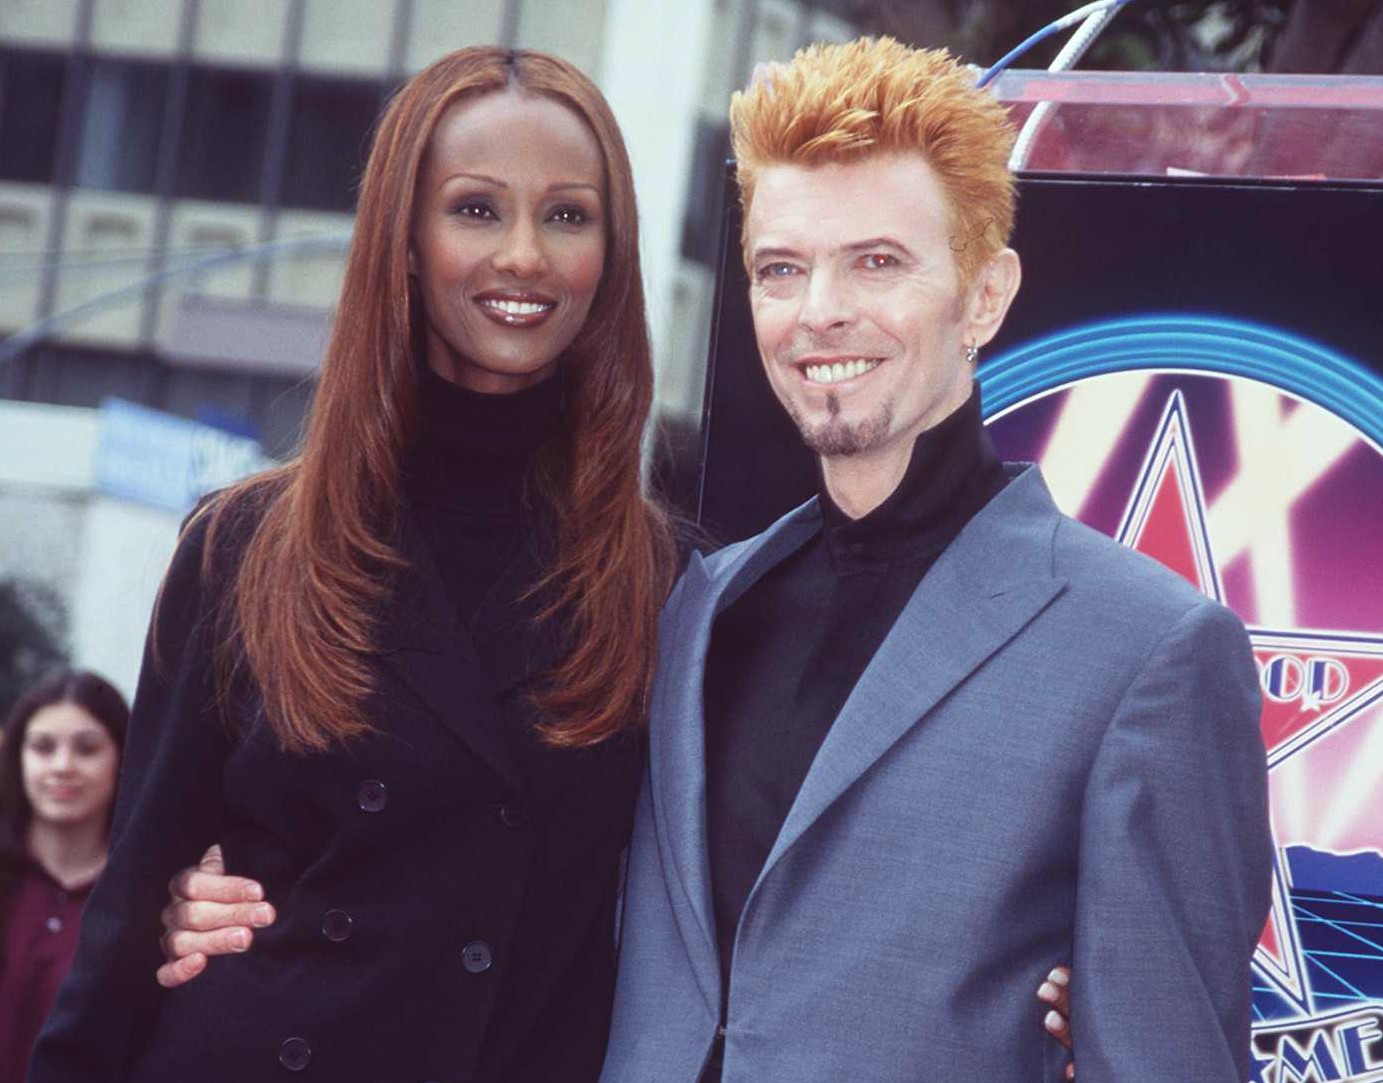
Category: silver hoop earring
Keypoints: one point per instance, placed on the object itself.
(971, 353)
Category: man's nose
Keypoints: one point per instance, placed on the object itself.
(521, 252)
(826, 304)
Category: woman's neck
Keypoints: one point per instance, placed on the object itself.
(72, 854)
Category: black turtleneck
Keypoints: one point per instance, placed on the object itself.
(465, 479)
(785, 655)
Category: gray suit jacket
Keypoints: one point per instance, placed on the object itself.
(1054, 757)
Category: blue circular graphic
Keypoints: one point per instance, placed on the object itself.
(1197, 343)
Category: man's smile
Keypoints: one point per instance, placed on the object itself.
(838, 370)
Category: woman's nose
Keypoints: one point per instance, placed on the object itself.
(521, 253)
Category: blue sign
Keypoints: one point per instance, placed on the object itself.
(168, 461)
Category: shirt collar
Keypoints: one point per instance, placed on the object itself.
(952, 473)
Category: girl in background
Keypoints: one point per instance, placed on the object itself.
(59, 760)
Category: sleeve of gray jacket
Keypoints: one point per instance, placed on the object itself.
(1175, 865)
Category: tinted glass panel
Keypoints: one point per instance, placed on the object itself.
(224, 132)
(122, 118)
(328, 142)
(31, 85)
(701, 229)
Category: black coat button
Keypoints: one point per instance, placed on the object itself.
(295, 1054)
(513, 815)
(372, 795)
(336, 925)
(476, 957)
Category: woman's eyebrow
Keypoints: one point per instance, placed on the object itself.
(563, 186)
(493, 181)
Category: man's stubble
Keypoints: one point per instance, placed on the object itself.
(838, 437)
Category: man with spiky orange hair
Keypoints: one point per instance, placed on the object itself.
(925, 736)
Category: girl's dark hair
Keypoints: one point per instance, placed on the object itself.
(97, 696)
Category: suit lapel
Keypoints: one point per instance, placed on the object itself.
(978, 595)
(677, 739)
(422, 642)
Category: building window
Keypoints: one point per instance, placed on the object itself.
(70, 375)
(31, 85)
(122, 120)
(328, 141)
(224, 134)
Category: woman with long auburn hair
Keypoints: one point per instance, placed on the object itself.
(401, 678)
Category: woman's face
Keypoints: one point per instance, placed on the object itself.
(508, 240)
(69, 764)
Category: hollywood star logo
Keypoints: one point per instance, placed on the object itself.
(1315, 685)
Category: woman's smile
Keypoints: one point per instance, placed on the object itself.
(508, 238)
(517, 309)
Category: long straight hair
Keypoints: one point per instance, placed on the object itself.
(306, 593)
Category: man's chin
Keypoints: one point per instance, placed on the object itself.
(839, 439)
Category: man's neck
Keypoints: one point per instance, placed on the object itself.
(860, 483)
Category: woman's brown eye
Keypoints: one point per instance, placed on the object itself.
(570, 216)
(472, 209)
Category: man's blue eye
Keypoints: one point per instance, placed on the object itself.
(776, 270)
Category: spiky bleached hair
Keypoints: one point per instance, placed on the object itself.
(841, 103)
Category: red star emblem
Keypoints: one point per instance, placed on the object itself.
(1314, 682)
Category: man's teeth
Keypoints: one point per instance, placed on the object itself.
(840, 370)
(516, 308)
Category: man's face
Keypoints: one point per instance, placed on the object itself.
(859, 314)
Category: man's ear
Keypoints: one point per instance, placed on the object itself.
(991, 293)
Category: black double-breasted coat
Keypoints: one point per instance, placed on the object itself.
(446, 886)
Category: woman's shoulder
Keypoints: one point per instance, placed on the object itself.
(224, 521)
(215, 535)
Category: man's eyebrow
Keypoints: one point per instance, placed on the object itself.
(876, 242)
(870, 243)
(774, 252)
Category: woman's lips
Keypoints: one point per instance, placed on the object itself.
(517, 310)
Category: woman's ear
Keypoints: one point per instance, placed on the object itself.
(412, 261)
(991, 293)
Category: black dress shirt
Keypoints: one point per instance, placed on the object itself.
(786, 654)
